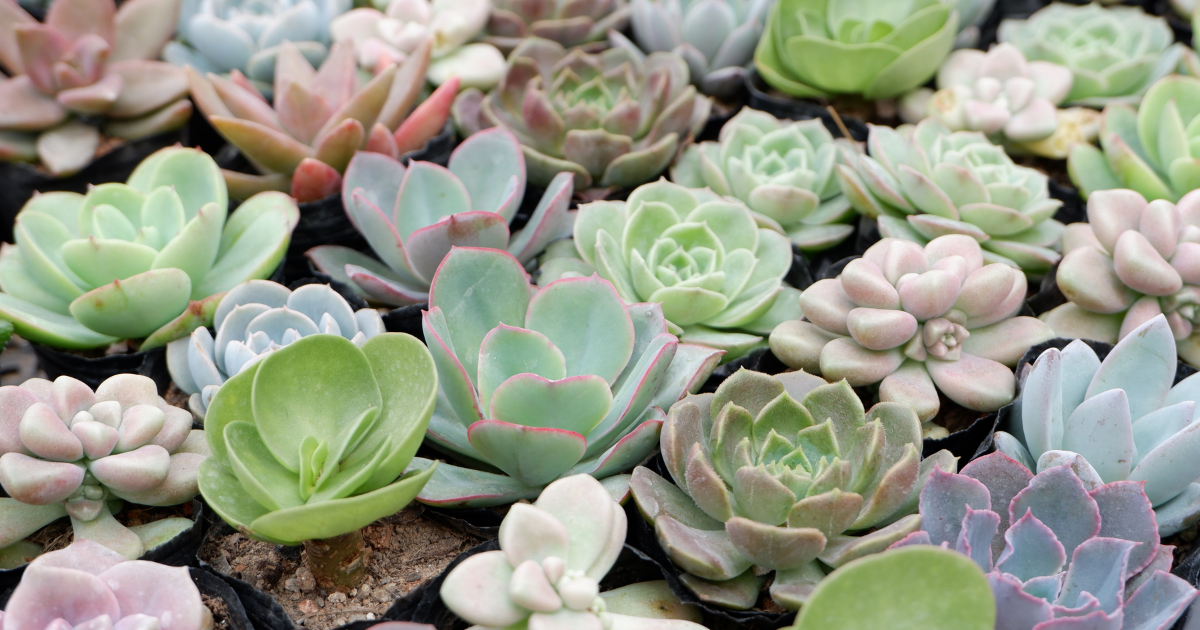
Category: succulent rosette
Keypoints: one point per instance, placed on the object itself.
(413, 215)
(1059, 551)
(568, 23)
(69, 451)
(971, 16)
(1096, 414)
(782, 170)
(147, 259)
(254, 319)
(1131, 262)
(1152, 150)
(917, 321)
(86, 584)
(543, 385)
(876, 48)
(776, 473)
(1115, 53)
(611, 119)
(925, 181)
(88, 69)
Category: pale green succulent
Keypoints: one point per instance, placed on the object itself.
(783, 170)
(126, 260)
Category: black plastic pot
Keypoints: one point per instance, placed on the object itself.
(19, 180)
(406, 319)
(762, 97)
(93, 371)
(1074, 208)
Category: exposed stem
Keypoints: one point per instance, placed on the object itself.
(338, 563)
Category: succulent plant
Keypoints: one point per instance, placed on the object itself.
(381, 39)
(567, 23)
(1148, 150)
(971, 16)
(611, 119)
(925, 181)
(254, 319)
(571, 380)
(1120, 419)
(876, 48)
(1012, 101)
(309, 443)
(126, 261)
(69, 451)
(783, 170)
(1184, 8)
(910, 588)
(774, 473)
(1115, 53)
(717, 275)
(87, 70)
(221, 36)
(917, 321)
(715, 37)
(413, 216)
(1058, 550)
(1132, 261)
(320, 118)
(88, 585)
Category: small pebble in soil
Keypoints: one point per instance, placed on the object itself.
(336, 598)
(308, 607)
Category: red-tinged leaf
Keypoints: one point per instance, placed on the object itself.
(244, 103)
(205, 95)
(88, 57)
(149, 85)
(26, 108)
(428, 119)
(385, 290)
(406, 86)
(314, 180)
(95, 98)
(534, 456)
(272, 149)
(429, 245)
(76, 18)
(338, 145)
(543, 123)
(364, 106)
(336, 79)
(245, 186)
(300, 111)
(11, 17)
(380, 140)
(41, 47)
(292, 65)
(143, 28)
(244, 82)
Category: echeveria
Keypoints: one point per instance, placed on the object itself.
(542, 385)
(569, 23)
(1152, 150)
(69, 451)
(1131, 262)
(783, 170)
(553, 554)
(776, 473)
(1115, 420)
(126, 260)
(611, 119)
(716, 273)
(1059, 551)
(412, 216)
(917, 321)
(89, 68)
(86, 585)
(876, 48)
(256, 318)
(924, 182)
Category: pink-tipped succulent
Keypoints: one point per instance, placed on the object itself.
(69, 451)
(89, 61)
(1131, 262)
(568, 22)
(320, 118)
(89, 586)
(917, 321)
(1059, 552)
(412, 216)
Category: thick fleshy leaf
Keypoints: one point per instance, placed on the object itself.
(1059, 500)
(533, 455)
(707, 554)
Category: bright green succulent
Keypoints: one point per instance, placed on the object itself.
(876, 48)
(126, 261)
(783, 170)
(717, 274)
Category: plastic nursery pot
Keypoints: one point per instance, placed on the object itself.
(1181, 27)
(762, 97)
(94, 370)
(20, 180)
(722, 111)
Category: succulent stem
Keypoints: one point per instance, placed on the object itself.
(338, 563)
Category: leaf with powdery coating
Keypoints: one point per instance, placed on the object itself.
(1031, 550)
(945, 502)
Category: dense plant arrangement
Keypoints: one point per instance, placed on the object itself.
(612, 119)
(1131, 262)
(253, 319)
(87, 71)
(716, 273)
(926, 181)
(777, 473)
(509, 360)
(309, 443)
(412, 216)
(139, 260)
(784, 171)
(69, 451)
(566, 23)
(917, 321)
(1073, 403)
